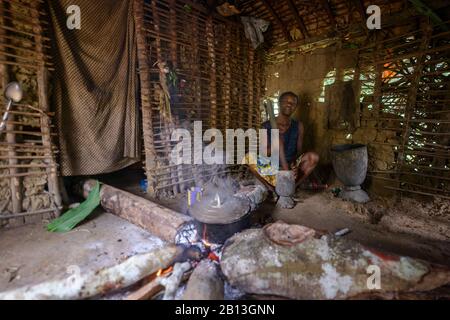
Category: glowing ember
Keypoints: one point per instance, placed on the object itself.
(212, 256)
(162, 272)
(206, 243)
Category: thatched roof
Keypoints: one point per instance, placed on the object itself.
(296, 23)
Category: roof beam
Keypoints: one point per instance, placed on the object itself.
(277, 18)
(327, 7)
(299, 19)
(422, 8)
(361, 10)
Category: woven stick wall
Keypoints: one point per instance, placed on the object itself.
(193, 66)
(410, 77)
(28, 171)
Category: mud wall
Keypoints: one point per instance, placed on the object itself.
(306, 75)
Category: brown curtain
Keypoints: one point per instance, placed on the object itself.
(95, 87)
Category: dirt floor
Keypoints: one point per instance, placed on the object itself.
(323, 211)
(30, 255)
(407, 227)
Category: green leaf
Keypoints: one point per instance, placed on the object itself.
(74, 216)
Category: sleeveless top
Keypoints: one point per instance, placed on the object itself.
(290, 139)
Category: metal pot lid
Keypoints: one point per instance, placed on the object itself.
(232, 210)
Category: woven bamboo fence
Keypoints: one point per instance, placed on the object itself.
(212, 74)
(28, 170)
(410, 77)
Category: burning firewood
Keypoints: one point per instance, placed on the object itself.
(98, 282)
(147, 291)
(205, 283)
(152, 287)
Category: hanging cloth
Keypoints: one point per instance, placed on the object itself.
(94, 94)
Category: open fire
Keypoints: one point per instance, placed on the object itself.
(169, 280)
(162, 272)
(201, 241)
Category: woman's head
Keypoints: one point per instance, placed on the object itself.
(288, 102)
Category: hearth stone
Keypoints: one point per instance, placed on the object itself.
(320, 268)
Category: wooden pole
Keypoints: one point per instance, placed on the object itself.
(258, 84)
(240, 89)
(144, 77)
(15, 183)
(299, 19)
(227, 84)
(197, 87)
(42, 82)
(330, 14)
(251, 103)
(212, 66)
(412, 98)
(174, 59)
(357, 90)
(277, 19)
(165, 125)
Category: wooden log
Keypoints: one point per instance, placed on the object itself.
(205, 283)
(82, 286)
(158, 220)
